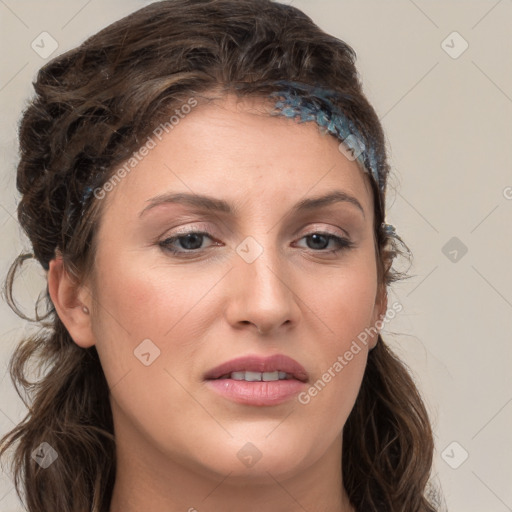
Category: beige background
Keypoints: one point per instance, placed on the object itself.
(449, 129)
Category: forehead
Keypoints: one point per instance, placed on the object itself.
(232, 147)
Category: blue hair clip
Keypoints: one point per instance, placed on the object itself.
(310, 103)
(87, 193)
(85, 196)
(389, 229)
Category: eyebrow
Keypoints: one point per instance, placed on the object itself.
(221, 206)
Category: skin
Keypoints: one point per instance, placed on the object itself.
(177, 440)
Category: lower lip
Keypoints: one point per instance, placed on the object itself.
(258, 393)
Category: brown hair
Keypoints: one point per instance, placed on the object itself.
(93, 107)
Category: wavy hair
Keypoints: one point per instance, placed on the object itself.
(93, 106)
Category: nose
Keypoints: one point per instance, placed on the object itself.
(261, 295)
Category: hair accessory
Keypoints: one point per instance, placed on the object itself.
(389, 229)
(87, 193)
(310, 103)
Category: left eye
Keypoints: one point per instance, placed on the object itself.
(323, 239)
(191, 242)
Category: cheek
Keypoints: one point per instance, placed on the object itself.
(145, 301)
(346, 304)
(346, 310)
(144, 324)
(135, 303)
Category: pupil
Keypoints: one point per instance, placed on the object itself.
(188, 238)
(320, 238)
(193, 241)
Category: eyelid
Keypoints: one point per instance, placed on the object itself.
(344, 242)
(185, 231)
(319, 227)
(315, 228)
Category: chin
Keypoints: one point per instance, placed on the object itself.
(244, 459)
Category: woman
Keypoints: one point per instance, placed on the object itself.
(204, 183)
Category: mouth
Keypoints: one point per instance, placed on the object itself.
(257, 381)
(257, 376)
(253, 368)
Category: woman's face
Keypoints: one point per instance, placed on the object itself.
(260, 283)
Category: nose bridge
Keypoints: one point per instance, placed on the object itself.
(262, 293)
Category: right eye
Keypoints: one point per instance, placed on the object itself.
(190, 242)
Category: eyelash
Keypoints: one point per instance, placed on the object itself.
(344, 243)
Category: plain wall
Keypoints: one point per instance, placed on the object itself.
(447, 118)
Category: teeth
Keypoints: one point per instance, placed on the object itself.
(258, 376)
(253, 376)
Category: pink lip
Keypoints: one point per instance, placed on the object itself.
(277, 362)
(258, 393)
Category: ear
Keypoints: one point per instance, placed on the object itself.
(72, 303)
(379, 312)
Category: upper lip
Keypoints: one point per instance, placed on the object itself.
(253, 363)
